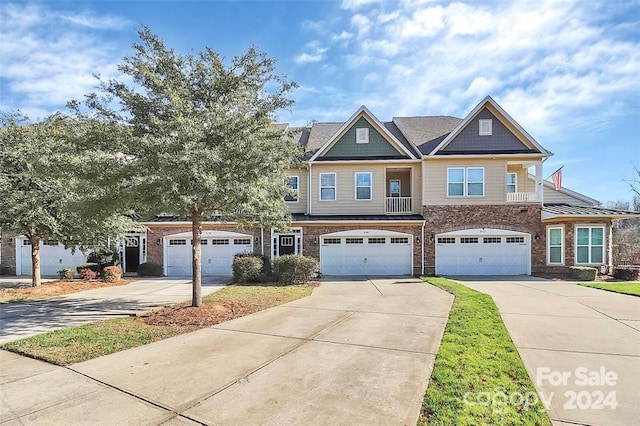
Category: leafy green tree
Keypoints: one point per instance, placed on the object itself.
(46, 188)
(202, 136)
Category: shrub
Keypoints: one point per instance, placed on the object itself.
(295, 268)
(626, 273)
(111, 274)
(103, 257)
(583, 273)
(93, 266)
(149, 269)
(247, 269)
(66, 274)
(87, 274)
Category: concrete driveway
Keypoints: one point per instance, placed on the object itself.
(19, 320)
(581, 346)
(354, 352)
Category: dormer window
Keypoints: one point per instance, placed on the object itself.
(485, 128)
(362, 135)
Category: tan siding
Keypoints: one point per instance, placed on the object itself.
(435, 182)
(345, 202)
(521, 180)
(551, 196)
(301, 205)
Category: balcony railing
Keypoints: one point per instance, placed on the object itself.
(399, 205)
(521, 197)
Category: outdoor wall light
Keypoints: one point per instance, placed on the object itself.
(432, 238)
(536, 237)
(10, 241)
(158, 242)
(418, 239)
(315, 240)
(257, 240)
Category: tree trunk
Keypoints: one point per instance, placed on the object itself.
(35, 261)
(196, 249)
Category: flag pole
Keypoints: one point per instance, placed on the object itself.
(554, 172)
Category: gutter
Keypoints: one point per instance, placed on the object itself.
(262, 240)
(424, 223)
(309, 188)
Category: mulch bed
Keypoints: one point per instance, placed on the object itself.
(210, 313)
(56, 288)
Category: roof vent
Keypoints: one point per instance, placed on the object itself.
(485, 127)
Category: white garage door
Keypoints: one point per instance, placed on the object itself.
(366, 252)
(218, 249)
(53, 257)
(483, 252)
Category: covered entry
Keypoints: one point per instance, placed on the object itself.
(483, 252)
(218, 249)
(366, 252)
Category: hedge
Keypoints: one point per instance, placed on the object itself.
(292, 269)
(626, 273)
(149, 269)
(66, 274)
(111, 274)
(247, 269)
(583, 273)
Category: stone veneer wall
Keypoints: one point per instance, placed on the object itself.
(520, 218)
(312, 231)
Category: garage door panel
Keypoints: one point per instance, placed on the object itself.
(52, 259)
(375, 255)
(501, 254)
(217, 254)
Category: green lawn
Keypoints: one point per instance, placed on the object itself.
(76, 344)
(631, 288)
(478, 377)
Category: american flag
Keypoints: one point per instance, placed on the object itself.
(557, 179)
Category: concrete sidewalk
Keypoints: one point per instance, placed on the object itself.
(561, 328)
(355, 352)
(20, 320)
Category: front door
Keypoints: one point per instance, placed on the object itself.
(132, 254)
(286, 245)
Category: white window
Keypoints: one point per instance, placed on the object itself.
(515, 240)
(485, 127)
(492, 240)
(555, 246)
(362, 135)
(292, 182)
(354, 240)
(177, 242)
(363, 186)
(286, 241)
(465, 182)
(446, 240)
(328, 240)
(219, 242)
(327, 186)
(512, 183)
(469, 240)
(399, 240)
(242, 241)
(590, 244)
(377, 240)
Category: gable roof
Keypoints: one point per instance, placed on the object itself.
(502, 114)
(567, 192)
(361, 112)
(425, 133)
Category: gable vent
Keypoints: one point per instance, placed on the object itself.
(362, 135)
(485, 127)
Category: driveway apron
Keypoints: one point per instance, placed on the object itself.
(357, 351)
(581, 346)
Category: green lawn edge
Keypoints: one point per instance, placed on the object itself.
(628, 288)
(478, 377)
(82, 343)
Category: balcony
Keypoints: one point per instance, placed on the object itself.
(398, 205)
(522, 197)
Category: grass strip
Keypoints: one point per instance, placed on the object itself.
(630, 288)
(85, 342)
(478, 377)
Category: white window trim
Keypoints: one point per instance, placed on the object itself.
(562, 245)
(355, 184)
(362, 135)
(604, 243)
(465, 182)
(335, 186)
(487, 124)
(515, 182)
(297, 200)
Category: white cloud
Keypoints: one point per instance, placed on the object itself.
(343, 36)
(47, 61)
(316, 54)
(90, 20)
(357, 4)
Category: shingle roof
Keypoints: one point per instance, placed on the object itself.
(300, 217)
(319, 134)
(426, 132)
(569, 210)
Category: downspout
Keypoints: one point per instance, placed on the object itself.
(262, 240)
(424, 222)
(309, 189)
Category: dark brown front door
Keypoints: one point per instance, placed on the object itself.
(286, 245)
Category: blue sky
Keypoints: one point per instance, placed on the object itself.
(567, 71)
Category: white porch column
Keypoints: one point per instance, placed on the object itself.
(539, 187)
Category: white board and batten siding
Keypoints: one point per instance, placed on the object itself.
(483, 252)
(366, 252)
(218, 250)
